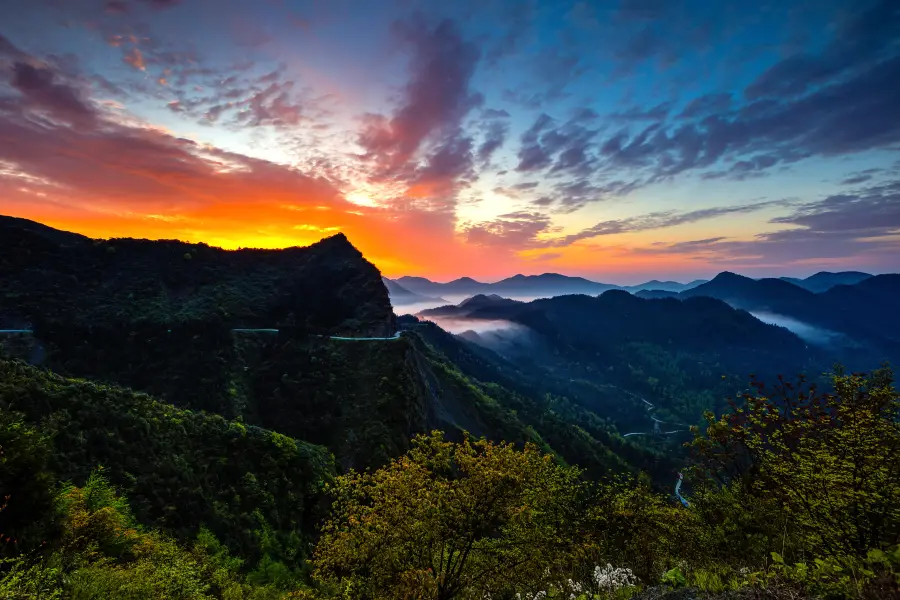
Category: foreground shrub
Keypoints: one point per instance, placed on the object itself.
(452, 520)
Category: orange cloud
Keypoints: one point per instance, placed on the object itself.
(135, 59)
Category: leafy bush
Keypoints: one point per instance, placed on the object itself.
(451, 520)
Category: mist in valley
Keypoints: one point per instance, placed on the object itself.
(805, 331)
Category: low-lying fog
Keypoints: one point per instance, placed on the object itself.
(457, 325)
(416, 307)
(805, 331)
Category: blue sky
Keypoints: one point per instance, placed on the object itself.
(616, 140)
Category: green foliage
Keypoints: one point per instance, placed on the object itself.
(481, 393)
(181, 469)
(102, 553)
(803, 488)
(826, 463)
(26, 485)
(674, 578)
(450, 521)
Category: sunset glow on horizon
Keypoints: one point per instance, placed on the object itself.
(619, 141)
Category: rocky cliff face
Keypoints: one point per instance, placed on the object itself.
(50, 276)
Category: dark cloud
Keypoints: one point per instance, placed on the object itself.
(238, 98)
(436, 98)
(516, 18)
(493, 113)
(862, 227)
(707, 104)
(9, 50)
(524, 97)
(854, 179)
(842, 118)
(862, 39)
(562, 149)
(749, 168)
(448, 166)
(872, 212)
(516, 230)
(522, 228)
(43, 91)
(661, 220)
(689, 247)
(861, 176)
(274, 105)
(571, 195)
(494, 136)
(638, 113)
(641, 10)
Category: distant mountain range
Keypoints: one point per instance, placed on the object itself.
(865, 310)
(857, 321)
(400, 295)
(419, 289)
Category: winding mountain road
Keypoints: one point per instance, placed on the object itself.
(656, 422)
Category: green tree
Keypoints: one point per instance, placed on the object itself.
(26, 485)
(819, 470)
(451, 520)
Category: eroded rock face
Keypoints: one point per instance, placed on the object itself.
(50, 276)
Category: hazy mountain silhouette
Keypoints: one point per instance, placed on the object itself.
(825, 280)
(546, 285)
(864, 312)
(400, 295)
(471, 305)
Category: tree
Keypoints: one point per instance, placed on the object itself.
(825, 465)
(451, 520)
(26, 484)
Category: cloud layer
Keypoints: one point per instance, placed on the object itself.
(473, 138)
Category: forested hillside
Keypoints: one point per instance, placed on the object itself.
(180, 469)
(609, 352)
(48, 278)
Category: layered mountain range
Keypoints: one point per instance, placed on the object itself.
(287, 362)
(408, 290)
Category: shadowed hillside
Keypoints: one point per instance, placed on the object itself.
(51, 277)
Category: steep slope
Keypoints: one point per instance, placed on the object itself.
(361, 399)
(478, 391)
(180, 469)
(327, 286)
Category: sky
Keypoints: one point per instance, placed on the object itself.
(617, 140)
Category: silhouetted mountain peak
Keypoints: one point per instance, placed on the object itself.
(328, 285)
(480, 300)
(729, 277)
(28, 227)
